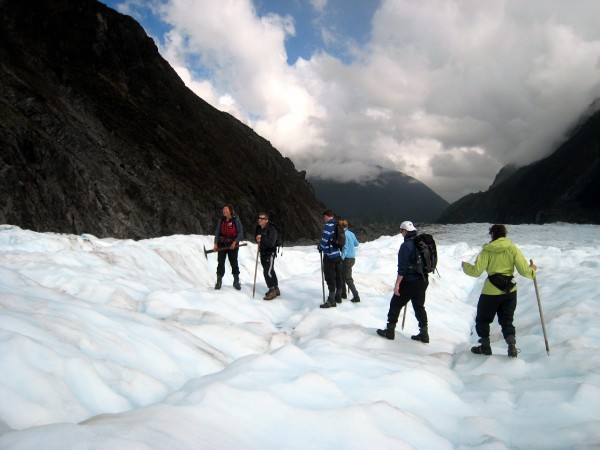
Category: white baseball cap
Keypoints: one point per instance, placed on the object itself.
(408, 226)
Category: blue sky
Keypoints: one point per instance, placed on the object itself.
(445, 91)
(346, 20)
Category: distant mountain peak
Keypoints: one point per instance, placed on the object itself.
(390, 198)
(504, 174)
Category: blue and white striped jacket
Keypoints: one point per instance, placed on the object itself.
(329, 250)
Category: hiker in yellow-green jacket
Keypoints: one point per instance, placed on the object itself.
(499, 258)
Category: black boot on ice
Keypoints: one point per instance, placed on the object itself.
(512, 349)
(329, 303)
(423, 336)
(484, 348)
(388, 333)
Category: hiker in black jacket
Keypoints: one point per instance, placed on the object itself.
(266, 237)
(410, 286)
(228, 234)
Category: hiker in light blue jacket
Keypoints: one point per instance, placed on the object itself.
(349, 258)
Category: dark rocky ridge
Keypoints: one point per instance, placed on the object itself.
(99, 135)
(563, 187)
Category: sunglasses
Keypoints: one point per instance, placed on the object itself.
(262, 218)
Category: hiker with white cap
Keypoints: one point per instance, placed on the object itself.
(410, 286)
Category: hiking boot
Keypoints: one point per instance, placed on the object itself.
(277, 291)
(270, 295)
(338, 300)
(355, 300)
(328, 305)
(483, 349)
(511, 341)
(387, 333)
(236, 282)
(344, 295)
(218, 283)
(423, 337)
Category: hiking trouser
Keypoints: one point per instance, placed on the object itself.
(347, 265)
(413, 291)
(268, 265)
(233, 260)
(488, 306)
(332, 268)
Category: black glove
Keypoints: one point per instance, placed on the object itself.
(319, 248)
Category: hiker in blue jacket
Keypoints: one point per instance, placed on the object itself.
(410, 286)
(348, 260)
(332, 262)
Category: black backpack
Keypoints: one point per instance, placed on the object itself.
(279, 240)
(426, 254)
(339, 236)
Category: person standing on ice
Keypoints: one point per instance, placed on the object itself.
(228, 234)
(499, 294)
(266, 237)
(410, 286)
(332, 262)
(348, 260)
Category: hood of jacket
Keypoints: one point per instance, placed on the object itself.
(498, 246)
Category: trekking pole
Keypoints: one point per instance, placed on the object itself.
(537, 294)
(206, 252)
(322, 277)
(404, 316)
(255, 269)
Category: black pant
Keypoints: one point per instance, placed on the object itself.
(347, 265)
(332, 268)
(413, 291)
(268, 265)
(233, 260)
(488, 306)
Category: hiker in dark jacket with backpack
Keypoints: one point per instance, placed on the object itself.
(410, 286)
(228, 234)
(266, 237)
(332, 261)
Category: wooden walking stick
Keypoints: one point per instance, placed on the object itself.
(537, 294)
(404, 316)
(255, 269)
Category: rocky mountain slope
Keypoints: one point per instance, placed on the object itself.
(99, 135)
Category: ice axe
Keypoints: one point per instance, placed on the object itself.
(537, 294)
(206, 252)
